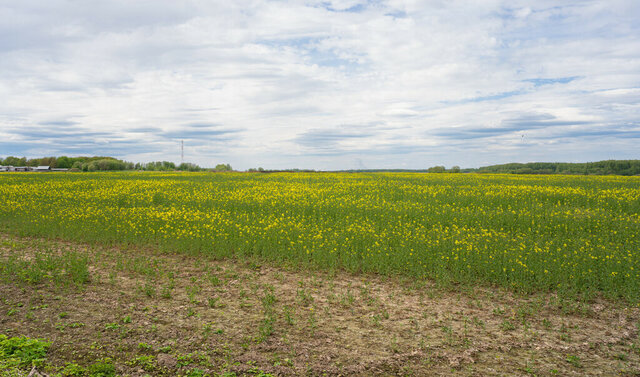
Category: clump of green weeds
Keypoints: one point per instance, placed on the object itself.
(64, 269)
(145, 347)
(102, 368)
(574, 360)
(288, 315)
(214, 302)
(73, 370)
(146, 362)
(21, 351)
(507, 325)
(303, 297)
(266, 326)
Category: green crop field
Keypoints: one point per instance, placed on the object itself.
(573, 234)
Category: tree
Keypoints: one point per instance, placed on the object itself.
(223, 167)
(12, 161)
(187, 166)
(159, 166)
(64, 162)
(455, 169)
(48, 161)
(436, 169)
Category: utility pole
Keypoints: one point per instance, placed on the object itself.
(181, 152)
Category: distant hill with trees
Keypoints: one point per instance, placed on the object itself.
(607, 167)
(83, 163)
(99, 163)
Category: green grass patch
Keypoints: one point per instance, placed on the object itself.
(21, 352)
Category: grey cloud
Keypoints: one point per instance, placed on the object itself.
(531, 121)
(296, 110)
(39, 133)
(62, 139)
(49, 86)
(17, 148)
(397, 14)
(395, 149)
(110, 149)
(44, 17)
(522, 123)
(202, 131)
(337, 141)
(66, 135)
(144, 130)
(598, 131)
(322, 139)
(199, 110)
(468, 133)
(203, 125)
(76, 147)
(59, 123)
(53, 86)
(390, 149)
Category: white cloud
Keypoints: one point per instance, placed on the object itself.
(277, 75)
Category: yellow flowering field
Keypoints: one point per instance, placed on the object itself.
(578, 234)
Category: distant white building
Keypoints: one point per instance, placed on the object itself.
(42, 168)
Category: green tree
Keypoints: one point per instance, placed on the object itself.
(11, 160)
(187, 166)
(223, 167)
(64, 162)
(48, 161)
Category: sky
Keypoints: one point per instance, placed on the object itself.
(326, 85)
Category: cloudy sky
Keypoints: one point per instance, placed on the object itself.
(337, 84)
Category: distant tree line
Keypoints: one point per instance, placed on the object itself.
(608, 167)
(77, 163)
(98, 163)
(442, 169)
(223, 167)
(433, 169)
(262, 170)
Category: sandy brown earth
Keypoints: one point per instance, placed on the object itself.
(156, 314)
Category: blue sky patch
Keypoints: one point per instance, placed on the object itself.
(560, 80)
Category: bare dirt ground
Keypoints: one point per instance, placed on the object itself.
(157, 314)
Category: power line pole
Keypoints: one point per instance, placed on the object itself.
(182, 152)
